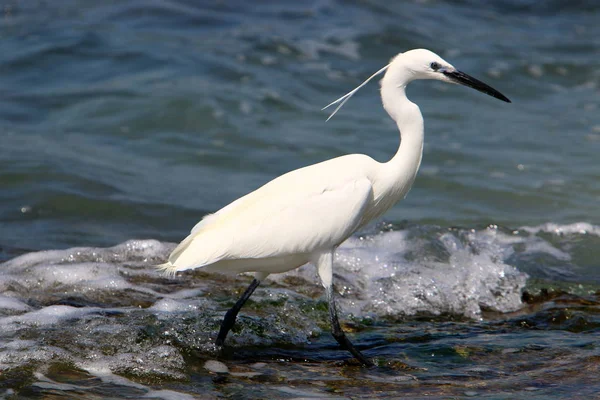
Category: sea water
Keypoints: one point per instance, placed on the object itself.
(124, 122)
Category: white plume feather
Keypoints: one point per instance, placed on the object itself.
(347, 96)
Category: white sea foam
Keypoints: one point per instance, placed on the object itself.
(109, 312)
(45, 316)
(43, 382)
(12, 305)
(581, 228)
(392, 274)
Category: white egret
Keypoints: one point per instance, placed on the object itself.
(303, 215)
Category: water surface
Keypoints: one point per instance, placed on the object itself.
(124, 122)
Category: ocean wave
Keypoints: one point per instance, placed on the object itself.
(109, 308)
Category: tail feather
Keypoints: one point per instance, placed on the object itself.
(167, 268)
(187, 256)
(181, 247)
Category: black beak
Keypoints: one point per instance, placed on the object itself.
(464, 79)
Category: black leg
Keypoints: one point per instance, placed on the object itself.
(231, 315)
(339, 334)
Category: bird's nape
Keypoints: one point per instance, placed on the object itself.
(461, 78)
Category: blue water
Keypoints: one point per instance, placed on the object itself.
(132, 119)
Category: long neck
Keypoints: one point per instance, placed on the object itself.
(399, 173)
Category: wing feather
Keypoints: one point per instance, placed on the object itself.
(297, 213)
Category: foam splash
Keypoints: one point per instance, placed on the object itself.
(473, 278)
(125, 386)
(581, 228)
(109, 312)
(408, 273)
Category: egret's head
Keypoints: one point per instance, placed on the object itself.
(425, 64)
(418, 64)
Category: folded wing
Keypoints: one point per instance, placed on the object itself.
(295, 214)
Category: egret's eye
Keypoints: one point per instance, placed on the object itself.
(435, 66)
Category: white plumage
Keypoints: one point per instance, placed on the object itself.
(305, 214)
(286, 217)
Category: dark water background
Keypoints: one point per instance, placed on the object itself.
(132, 119)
